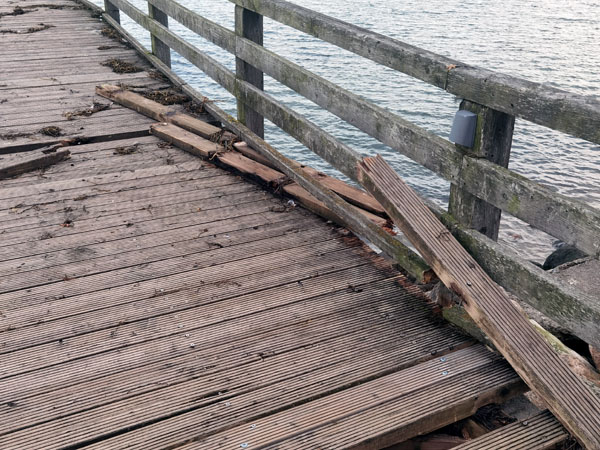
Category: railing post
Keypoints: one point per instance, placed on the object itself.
(493, 140)
(249, 25)
(112, 11)
(159, 48)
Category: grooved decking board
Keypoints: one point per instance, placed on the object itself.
(372, 411)
(539, 432)
(567, 396)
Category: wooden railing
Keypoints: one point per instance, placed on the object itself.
(481, 185)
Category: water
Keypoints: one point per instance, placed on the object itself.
(550, 41)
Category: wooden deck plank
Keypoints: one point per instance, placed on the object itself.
(145, 272)
(418, 389)
(204, 210)
(148, 197)
(355, 317)
(152, 225)
(539, 432)
(152, 254)
(149, 378)
(567, 396)
(14, 166)
(68, 189)
(82, 370)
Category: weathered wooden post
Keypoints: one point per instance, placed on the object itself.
(159, 48)
(112, 11)
(249, 25)
(493, 140)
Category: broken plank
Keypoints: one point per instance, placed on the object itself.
(566, 395)
(15, 165)
(311, 203)
(206, 149)
(185, 140)
(349, 193)
(157, 111)
(251, 168)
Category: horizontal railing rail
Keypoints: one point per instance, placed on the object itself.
(570, 220)
(578, 115)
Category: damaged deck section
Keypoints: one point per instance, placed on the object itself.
(150, 299)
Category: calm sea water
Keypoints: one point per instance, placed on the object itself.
(556, 42)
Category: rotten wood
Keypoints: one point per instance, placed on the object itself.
(353, 195)
(185, 140)
(567, 396)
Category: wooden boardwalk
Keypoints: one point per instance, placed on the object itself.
(149, 299)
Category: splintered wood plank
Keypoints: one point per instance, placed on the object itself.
(184, 139)
(16, 165)
(353, 195)
(539, 432)
(381, 412)
(157, 111)
(313, 204)
(566, 395)
(201, 147)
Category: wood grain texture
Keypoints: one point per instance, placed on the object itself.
(249, 25)
(159, 48)
(567, 396)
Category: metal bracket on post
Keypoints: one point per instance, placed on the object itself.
(112, 11)
(159, 49)
(493, 140)
(249, 25)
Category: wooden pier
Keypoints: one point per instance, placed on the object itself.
(150, 298)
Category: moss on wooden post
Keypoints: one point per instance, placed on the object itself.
(493, 139)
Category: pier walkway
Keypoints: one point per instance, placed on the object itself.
(149, 299)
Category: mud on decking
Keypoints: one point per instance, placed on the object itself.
(149, 299)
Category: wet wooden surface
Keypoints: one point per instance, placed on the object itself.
(149, 299)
